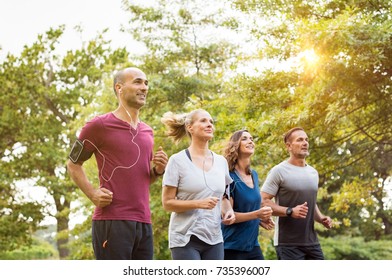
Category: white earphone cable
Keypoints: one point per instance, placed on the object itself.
(119, 166)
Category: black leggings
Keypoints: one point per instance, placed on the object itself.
(198, 250)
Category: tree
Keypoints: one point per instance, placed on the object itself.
(43, 94)
(323, 65)
(339, 90)
(287, 88)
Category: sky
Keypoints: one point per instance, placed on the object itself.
(22, 20)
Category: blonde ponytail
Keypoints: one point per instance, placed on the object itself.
(176, 124)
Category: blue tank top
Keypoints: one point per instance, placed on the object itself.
(243, 236)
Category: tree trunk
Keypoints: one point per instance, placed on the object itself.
(63, 237)
(62, 217)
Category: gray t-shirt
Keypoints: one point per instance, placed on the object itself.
(193, 184)
(293, 185)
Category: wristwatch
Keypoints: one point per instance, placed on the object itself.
(156, 173)
(289, 211)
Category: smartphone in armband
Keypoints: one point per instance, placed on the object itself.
(76, 151)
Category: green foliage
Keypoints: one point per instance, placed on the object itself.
(80, 244)
(184, 35)
(348, 248)
(45, 93)
(267, 244)
(338, 89)
(322, 65)
(38, 250)
(341, 247)
(17, 224)
(160, 222)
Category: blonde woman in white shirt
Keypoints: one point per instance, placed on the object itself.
(194, 186)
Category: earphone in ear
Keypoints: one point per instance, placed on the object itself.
(118, 88)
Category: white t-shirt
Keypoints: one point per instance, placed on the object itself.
(193, 183)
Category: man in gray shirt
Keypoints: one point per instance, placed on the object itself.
(293, 184)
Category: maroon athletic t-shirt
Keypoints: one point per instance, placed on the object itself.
(123, 157)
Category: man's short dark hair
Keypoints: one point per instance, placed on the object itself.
(287, 135)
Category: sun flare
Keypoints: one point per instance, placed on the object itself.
(310, 57)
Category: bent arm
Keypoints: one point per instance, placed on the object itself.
(262, 214)
(228, 216)
(299, 211)
(159, 164)
(318, 216)
(244, 217)
(326, 221)
(100, 197)
(172, 204)
(277, 210)
(154, 174)
(78, 175)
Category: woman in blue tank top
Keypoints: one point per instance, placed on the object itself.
(241, 238)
